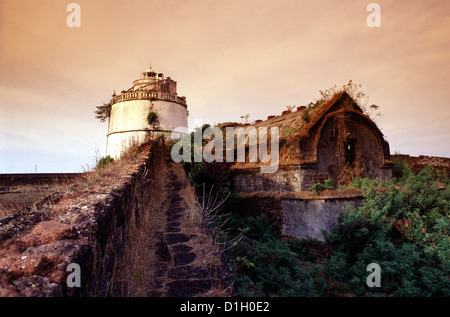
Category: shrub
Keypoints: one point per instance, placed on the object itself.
(318, 187)
(301, 249)
(276, 271)
(404, 231)
(104, 161)
(151, 118)
(363, 183)
(400, 170)
(305, 115)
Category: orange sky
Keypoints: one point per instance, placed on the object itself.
(229, 58)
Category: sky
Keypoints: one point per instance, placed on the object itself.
(229, 57)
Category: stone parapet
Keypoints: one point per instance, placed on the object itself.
(144, 95)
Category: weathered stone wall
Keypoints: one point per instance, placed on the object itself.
(307, 218)
(310, 174)
(114, 229)
(369, 147)
(85, 227)
(299, 218)
(286, 178)
(417, 163)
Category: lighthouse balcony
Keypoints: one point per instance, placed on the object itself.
(145, 95)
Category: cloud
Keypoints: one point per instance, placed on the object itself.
(228, 57)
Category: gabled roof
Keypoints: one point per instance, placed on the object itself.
(301, 129)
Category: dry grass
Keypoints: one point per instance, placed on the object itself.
(218, 290)
(8, 210)
(137, 275)
(22, 198)
(194, 217)
(209, 253)
(192, 214)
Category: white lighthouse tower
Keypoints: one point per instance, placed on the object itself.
(148, 109)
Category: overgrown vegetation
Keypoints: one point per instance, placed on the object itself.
(403, 229)
(318, 187)
(104, 161)
(151, 118)
(400, 169)
(195, 170)
(355, 92)
(265, 265)
(402, 224)
(311, 106)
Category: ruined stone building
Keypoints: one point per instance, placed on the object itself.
(129, 121)
(329, 140)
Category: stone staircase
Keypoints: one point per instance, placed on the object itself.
(182, 249)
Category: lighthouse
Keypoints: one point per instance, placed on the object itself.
(147, 110)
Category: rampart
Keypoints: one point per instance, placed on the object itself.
(417, 163)
(33, 179)
(133, 231)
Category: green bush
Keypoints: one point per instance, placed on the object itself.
(151, 118)
(400, 169)
(305, 115)
(318, 187)
(404, 231)
(276, 271)
(301, 248)
(259, 228)
(104, 161)
(362, 183)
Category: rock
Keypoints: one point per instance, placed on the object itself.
(49, 231)
(162, 252)
(188, 288)
(181, 248)
(36, 264)
(7, 289)
(173, 238)
(38, 286)
(184, 258)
